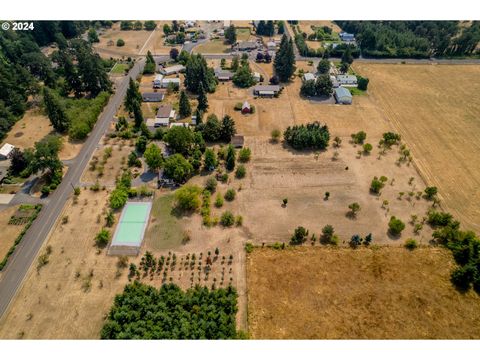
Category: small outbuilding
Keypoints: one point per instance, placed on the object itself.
(247, 45)
(166, 82)
(157, 82)
(257, 77)
(272, 45)
(6, 151)
(237, 141)
(343, 96)
(165, 113)
(246, 108)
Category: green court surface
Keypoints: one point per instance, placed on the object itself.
(132, 224)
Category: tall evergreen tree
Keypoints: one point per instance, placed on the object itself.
(230, 158)
(133, 95)
(228, 128)
(184, 108)
(137, 115)
(284, 62)
(202, 99)
(55, 111)
(197, 74)
(231, 35)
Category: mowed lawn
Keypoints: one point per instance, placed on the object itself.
(214, 46)
(383, 293)
(119, 68)
(164, 230)
(435, 108)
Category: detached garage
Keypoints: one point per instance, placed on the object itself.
(343, 96)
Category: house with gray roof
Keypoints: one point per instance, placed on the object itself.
(342, 96)
(152, 96)
(247, 45)
(266, 90)
(223, 75)
(347, 80)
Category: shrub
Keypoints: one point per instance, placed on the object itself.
(76, 190)
(328, 235)
(227, 219)
(120, 42)
(241, 172)
(367, 148)
(249, 247)
(239, 220)
(395, 226)
(437, 218)
(102, 238)
(461, 277)
(355, 241)
(359, 137)
(230, 195)
(238, 106)
(188, 197)
(211, 184)
(244, 155)
(376, 185)
(275, 134)
(118, 198)
(411, 244)
(299, 236)
(219, 201)
(430, 192)
(354, 208)
(362, 83)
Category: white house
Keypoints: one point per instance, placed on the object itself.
(170, 70)
(266, 90)
(165, 82)
(347, 80)
(334, 81)
(6, 151)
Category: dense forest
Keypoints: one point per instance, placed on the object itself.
(24, 69)
(143, 312)
(414, 39)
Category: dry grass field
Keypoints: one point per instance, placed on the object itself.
(33, 127)
(384, 293)
(435, 108)
(9, 232)
(214, 46)
(306, 25)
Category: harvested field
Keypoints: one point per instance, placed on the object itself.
(434, 109)
(385, 293)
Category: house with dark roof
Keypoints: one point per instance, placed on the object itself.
(247, 45)
(152, 96)
(266, 90)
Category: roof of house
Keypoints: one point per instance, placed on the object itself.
(346, 78)
(256, 75)
(164, 111)
(6, 149)
(342, 92)
(246, 105)
(171, 80)
(153, 96)
(158, 77)
(237, 140)
(308, 76)
(247, 45)
(179, 124)
(259, 88)
(221, 73)
(271, 44)
(173, 68)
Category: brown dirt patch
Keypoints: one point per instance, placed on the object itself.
(389, 293)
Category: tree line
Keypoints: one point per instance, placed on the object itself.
(414, 39)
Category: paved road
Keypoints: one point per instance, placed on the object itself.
(26, 251)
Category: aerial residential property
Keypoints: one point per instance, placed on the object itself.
(205, 179)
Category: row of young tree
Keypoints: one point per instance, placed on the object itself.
(143, 312)
(414, 39)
